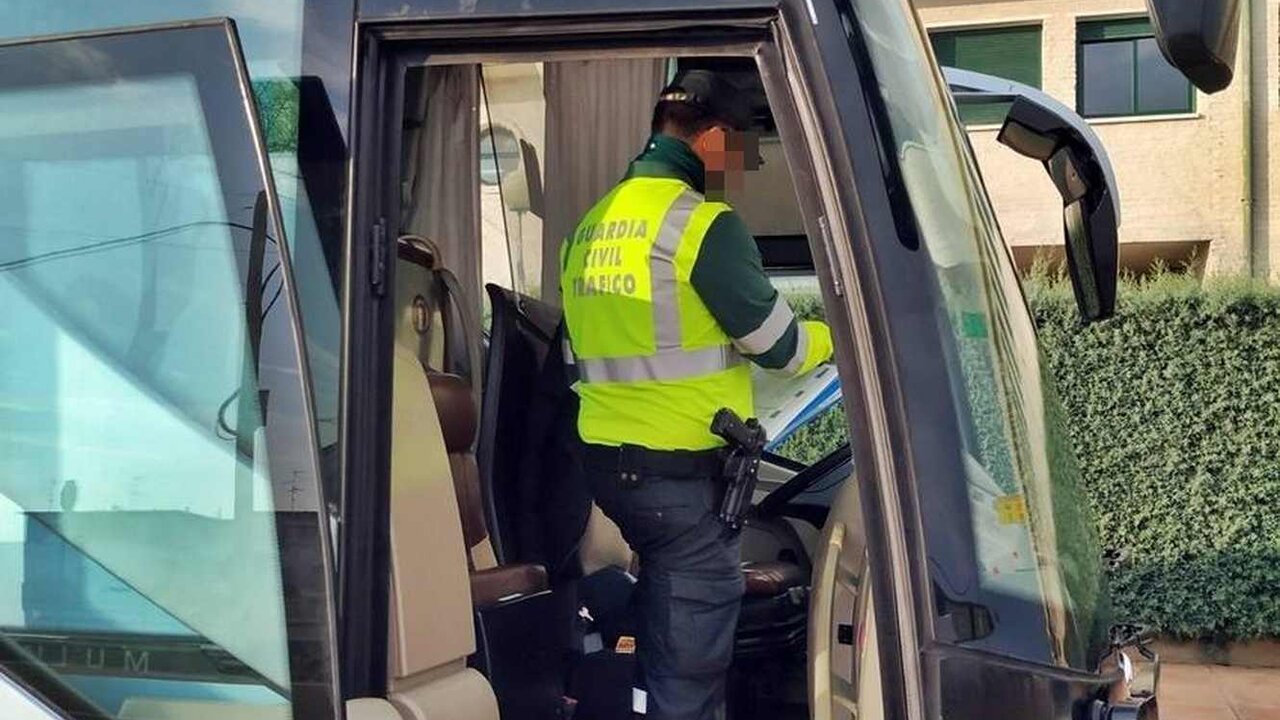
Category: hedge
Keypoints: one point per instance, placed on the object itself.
(1174, 411)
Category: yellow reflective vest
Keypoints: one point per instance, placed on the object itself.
(653, 364)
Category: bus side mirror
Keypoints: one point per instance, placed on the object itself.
(1090, 221)
(1199, 37)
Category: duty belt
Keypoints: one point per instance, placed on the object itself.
(634, 459)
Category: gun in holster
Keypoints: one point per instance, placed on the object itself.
(746, 440)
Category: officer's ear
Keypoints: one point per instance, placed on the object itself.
(710, 146)
(713, 139)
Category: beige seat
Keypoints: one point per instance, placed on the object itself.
(431, 611)
(603, 545)
(371, 709)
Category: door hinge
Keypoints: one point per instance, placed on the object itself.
(828, 249)
(378, 258)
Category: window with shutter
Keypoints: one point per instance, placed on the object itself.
(1012, 53)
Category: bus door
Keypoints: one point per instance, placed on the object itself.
(161, 546)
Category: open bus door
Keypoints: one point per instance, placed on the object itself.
(161, 508)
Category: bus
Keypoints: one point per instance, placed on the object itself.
(285, 430)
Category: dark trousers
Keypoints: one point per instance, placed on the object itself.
(689, 590)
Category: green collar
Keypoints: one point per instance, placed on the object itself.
(668, 157)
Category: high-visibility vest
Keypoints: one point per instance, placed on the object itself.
(653, 365)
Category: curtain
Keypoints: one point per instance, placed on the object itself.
(598, 115)
(441, 173)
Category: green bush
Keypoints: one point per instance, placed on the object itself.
(1173, 408)
(820, 436)
(1174, 411)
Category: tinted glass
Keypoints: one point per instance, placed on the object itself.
(1123, 72)
(1161, 88)
(1035, 560)
(158, 491)
(271, 32)
(1106, 78)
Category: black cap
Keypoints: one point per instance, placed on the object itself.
(712, 93)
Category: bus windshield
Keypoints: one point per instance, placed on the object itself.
(1036, 554)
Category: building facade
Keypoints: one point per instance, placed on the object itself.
(1197, 173)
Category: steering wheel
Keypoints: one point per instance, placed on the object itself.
(828, 469)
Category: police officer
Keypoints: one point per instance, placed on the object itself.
(665, 301)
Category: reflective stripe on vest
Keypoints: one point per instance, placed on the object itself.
(667, 364)
(670, 361)
(764, 337)
(662, 271)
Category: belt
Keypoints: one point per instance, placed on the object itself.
(669, 463)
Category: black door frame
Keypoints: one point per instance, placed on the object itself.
(791, 45)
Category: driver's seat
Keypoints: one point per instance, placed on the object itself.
(770, 578)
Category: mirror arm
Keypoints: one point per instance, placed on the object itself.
(965, 97)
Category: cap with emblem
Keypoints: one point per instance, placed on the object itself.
(712, 93)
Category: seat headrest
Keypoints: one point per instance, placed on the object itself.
(457, 409)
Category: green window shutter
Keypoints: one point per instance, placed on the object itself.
(1012, 53)
(944, 47)
(1126, 29)
(1008, 52)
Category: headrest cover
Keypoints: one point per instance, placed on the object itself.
(457, 410)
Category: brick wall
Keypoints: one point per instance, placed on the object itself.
(1181, 178)
(1265, 32)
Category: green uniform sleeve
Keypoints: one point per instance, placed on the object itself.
(728, 276)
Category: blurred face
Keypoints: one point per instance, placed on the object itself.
(727, 155)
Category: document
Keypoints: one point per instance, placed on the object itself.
(785, 404)
(1006, 551)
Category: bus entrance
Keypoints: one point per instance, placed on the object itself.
(281, 419)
